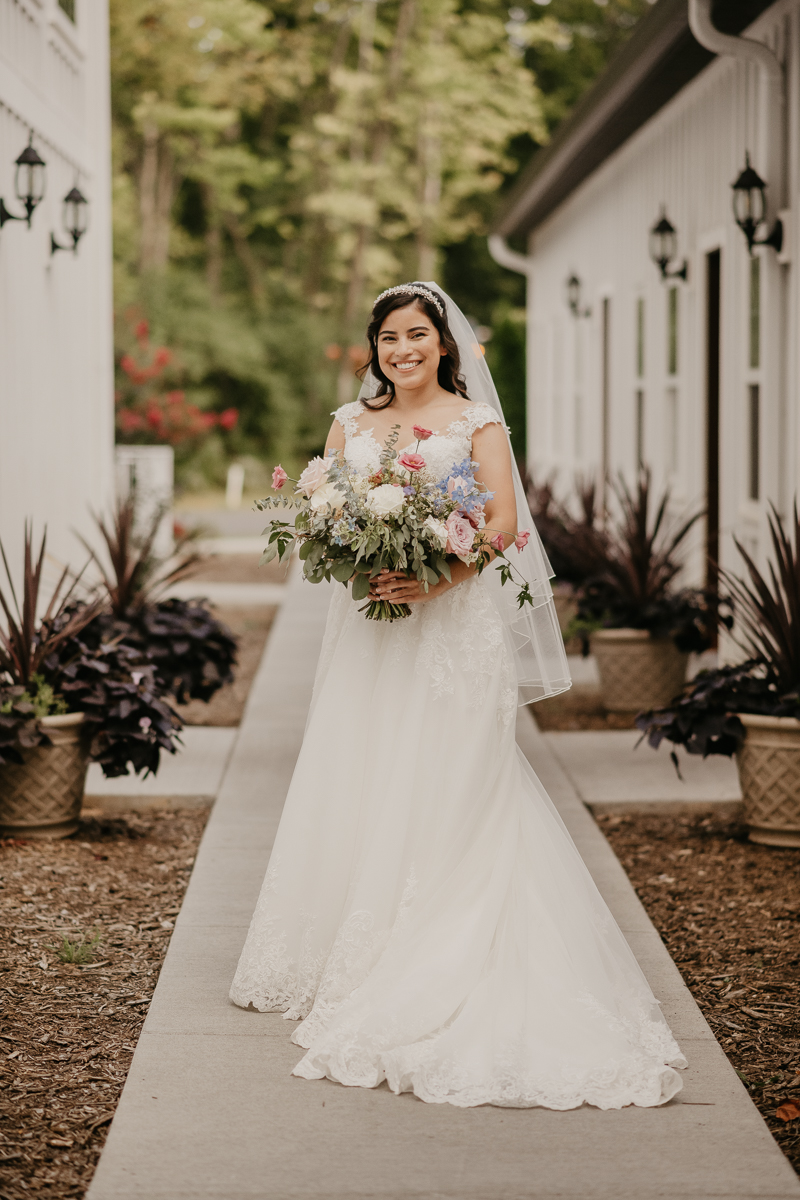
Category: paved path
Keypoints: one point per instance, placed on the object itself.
(610, 773)
(192, 775)
(240, 595)
(210, 1111)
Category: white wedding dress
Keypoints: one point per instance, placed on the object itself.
(425, 914)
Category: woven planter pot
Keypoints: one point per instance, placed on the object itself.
(769, 776)
(42, 797)
(637, 671)
(566, 609)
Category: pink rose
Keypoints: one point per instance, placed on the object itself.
(411, 462)
(279, 478)
(460, 535)
(521, 540)
(498, 543)
(421, 434)
(316, 473)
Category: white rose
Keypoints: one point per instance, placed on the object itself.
(314, 475)
(327, 494)
(438, 529)
(385, 500)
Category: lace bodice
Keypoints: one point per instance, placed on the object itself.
(441, 452)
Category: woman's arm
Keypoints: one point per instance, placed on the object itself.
(490, 449)
(335, 438)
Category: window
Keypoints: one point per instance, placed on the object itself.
(754, 439)
(605, 377)
(640, 338)
(672, 430)
(640, 375)
(578, 431)
(68, 7)
(672, 332)
(577, 397)
(755, 312)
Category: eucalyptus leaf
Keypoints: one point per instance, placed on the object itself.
(343, 571)
(360, 587)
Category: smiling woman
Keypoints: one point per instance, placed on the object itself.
(415, 346)
(424, 912)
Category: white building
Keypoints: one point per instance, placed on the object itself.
(56, 339)
(696, 377)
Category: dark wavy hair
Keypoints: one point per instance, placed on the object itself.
(449, 373)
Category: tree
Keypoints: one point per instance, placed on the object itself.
(276, 166)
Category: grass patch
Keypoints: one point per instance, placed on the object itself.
(80, 952)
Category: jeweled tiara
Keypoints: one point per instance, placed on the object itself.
(413, 289)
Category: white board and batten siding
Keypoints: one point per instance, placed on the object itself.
(686, 158)
(56, 337)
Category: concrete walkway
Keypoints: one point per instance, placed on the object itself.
(210, 1110)
(191, 776)
(610, 773)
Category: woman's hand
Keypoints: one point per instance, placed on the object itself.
(397, 588)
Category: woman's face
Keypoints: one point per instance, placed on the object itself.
(409, 348)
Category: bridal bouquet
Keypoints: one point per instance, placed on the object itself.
(350, 527)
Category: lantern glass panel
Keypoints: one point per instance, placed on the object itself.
(749, 206)
(29, 182)
(75, 217)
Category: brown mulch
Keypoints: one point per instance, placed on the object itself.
(251, 626)
(728, 911)
(69, 1031)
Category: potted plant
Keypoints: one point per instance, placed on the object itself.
(752, 709)
(67, 696)
(577, 547)
(191, 652)
(640, 626)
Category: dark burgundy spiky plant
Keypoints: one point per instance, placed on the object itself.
(643, 562)
(768, 609)
(26, 641)
(136, 575)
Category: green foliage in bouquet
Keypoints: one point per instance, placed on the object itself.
(767, 606)
(351, 527)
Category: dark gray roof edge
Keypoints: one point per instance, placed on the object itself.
(656, 62)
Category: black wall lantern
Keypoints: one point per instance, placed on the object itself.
(29, 180)
(664, 248)
(574, 297)
(750, 208)
(74, 218)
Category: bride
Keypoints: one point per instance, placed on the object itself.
(425, 915)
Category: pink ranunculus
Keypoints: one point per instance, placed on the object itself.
(460, 535)
(279, 478)
(315, 474)
(522, 538)
(422, 434)
(498, 543)
(411, 462)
